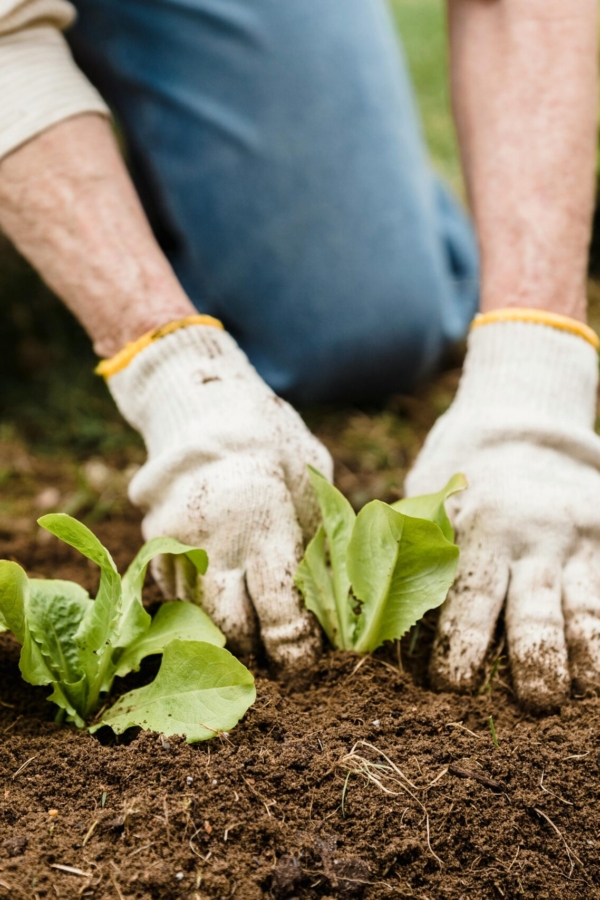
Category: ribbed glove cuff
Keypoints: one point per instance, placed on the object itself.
(161, 391)
(516, 369)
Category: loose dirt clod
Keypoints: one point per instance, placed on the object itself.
(15, 846)
(287, 876)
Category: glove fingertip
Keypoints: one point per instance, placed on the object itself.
(456, 669)
(542, 684)
(293, 648)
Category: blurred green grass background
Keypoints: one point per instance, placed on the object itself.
(422, 27)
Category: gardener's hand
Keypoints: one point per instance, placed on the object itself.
(528, 526)
(226, 471)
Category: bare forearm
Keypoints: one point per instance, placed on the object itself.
(67, 203)
(524, 84)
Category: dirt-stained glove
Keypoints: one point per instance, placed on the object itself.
(226, 471)
(528, 526)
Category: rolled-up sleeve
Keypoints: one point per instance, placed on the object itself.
(40, 85)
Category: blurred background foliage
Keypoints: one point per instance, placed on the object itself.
(422, 28)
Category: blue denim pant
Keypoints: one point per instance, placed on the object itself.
(277, 150)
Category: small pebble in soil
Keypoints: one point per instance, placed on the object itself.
(376, 723)
(189, 780)
(179, 876)
(52, 813)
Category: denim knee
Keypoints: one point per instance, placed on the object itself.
(278, 153)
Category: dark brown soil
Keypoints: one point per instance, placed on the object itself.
(364, 785)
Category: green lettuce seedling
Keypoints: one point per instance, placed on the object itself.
(369, 577)
(78, 645)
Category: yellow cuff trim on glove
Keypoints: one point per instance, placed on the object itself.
(120, 360)
(539, 317)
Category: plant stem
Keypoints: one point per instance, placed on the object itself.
(493, 731)
(96, 686)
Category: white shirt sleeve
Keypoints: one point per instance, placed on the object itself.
(40, 85)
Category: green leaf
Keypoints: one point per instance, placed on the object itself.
(71, 698)
(134, 620)
(97, 629)
(35, 670)
(55, 612)
(32, 665)
(15, 610)
(14, 591)
(338, 521)
(70, 642)
(314, 582)
(44, 589)
(400, 567)
(175, 620)
(77, 535)
(431, 506)
(200, 690)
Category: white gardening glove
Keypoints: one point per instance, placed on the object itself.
(226, 471)
(528, 526)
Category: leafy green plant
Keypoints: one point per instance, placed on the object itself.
(78, 645)
(369, 577)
